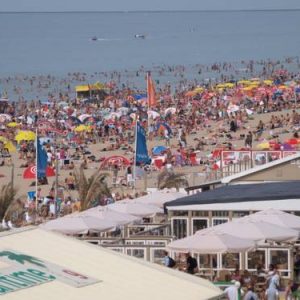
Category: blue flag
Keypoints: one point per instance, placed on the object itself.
(142, 156)
(41, 160)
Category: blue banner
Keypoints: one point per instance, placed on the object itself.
(41, 160)
(142, 156)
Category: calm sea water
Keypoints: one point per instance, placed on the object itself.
(57, 43)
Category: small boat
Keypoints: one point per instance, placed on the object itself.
(140, 36)
(94, 38)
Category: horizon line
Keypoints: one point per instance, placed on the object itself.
(153, 11)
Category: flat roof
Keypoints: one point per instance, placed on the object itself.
(242, 193)
(119, 276)
(288, 205)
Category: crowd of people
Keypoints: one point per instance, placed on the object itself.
(190, 116)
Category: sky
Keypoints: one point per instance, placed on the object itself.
(133, 5)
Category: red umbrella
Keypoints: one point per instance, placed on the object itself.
(30, 172)
(292, 141)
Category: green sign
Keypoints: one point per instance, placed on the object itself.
(26, 271)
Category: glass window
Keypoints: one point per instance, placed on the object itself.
(158, 256)
(256, 259)
(280, 258)
(239, 214)
(179, 228)
(139, 253)
(200, 213)
(231, 260)
(199, 224)
(179, 213)
(221, 213)
(218, 221)
(206, 260)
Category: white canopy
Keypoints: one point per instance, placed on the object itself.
(211, 241)
(103, 212)
(133, 208)
(78, 225)
(159, 198)
(119, 276)
(257, 230)
(277, 217)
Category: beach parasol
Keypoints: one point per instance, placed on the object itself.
(5, 117)
(211, 241)
(78, 225)
(133, 208)
(159, 198)
(263, 146)
(257, 230)
(277, 217)
(25, 136)
(158, 150)
(107, 214)
(12, 124)
(82, 128)
(30, 172)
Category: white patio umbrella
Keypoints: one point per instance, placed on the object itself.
(103, 212)
(257, 230)
(277, 217)
(78, 225)
(135, 209)
(210, 241)
(159, 198)
(83, 117)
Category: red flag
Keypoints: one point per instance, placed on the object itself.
(150, 91)
(30, 172)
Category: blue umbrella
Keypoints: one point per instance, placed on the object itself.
(158, 150)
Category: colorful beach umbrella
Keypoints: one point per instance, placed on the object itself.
(25, 136)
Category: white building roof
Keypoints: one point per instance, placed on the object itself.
(121, 277)
(274, 163)
(285, 205)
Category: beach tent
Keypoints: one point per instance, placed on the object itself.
(134, 208)
(277, 217)
(103, 212)
(211, 241)
(119, 160)
(77, 224)
(86, 271)
(159, 198)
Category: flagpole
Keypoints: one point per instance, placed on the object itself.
(148, 102)
(36, 171)
(135, 153)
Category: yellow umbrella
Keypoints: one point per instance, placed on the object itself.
(263, 146)
(82, 128)
(244, 82)
(268, 82)
(10, 146)
(25, 136)
(3, 139)
(12, 124)
(198, 90)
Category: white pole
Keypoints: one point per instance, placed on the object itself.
(148, 104)
(36, 173)
(135, 152)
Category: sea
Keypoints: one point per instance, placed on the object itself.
(59, 43)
